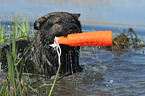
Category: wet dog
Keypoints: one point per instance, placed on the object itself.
(42, 54)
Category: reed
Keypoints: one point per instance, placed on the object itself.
(3, 35)
(14, 84)
(21, 29)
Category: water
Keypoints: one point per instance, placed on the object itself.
(106, 73)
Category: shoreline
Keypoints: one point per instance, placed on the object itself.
(110, 24)
(87, 22)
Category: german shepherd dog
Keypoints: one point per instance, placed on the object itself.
(41, 53)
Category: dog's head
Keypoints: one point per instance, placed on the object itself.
(58, 24)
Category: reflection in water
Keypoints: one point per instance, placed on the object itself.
(93, 11)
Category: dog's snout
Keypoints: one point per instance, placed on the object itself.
(72, 28)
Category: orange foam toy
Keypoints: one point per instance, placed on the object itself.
(96, 38)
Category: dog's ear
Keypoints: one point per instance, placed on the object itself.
(40, 21)
(76, 15)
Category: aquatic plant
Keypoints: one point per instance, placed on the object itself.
(22, 30)
(126, 40)
(134, 39)
(14, 84)
(3, 35)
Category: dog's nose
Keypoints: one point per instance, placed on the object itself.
(73, 28)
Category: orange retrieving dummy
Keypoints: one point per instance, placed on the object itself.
(96, 38)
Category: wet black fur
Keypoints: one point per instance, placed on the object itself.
(42, 54)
